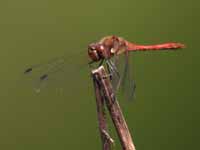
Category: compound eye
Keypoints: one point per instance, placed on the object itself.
(93, 55)
(92, 47)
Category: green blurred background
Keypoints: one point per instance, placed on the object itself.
(165, 114)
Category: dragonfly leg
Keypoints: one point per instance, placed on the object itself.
(101, 62)
(92, 62)
(110, 70)
(113, 67)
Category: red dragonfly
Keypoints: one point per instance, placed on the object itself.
(113, 46)
(108, 50)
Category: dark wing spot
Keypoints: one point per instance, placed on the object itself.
(28, 70)
(43, 77)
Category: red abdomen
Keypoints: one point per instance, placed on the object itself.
(164, 46)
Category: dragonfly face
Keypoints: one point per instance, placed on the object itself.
(94, 52)
(106, 48)
(98, 51)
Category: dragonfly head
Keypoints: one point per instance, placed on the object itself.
(95, 51)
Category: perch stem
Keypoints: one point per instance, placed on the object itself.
(111, 102)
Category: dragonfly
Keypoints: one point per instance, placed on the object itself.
(107, 51)
(112, 47)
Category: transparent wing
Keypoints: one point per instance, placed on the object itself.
(121, 75)
(53, 72)
(128, 84)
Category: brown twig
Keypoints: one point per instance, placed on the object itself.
(114, 108)
(106, 144)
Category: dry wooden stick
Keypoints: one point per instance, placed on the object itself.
(114, 108)
(106, 142)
